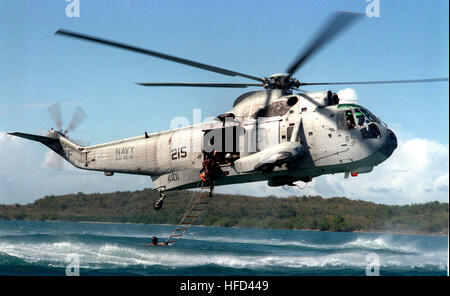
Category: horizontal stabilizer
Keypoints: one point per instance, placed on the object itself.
(37, 138)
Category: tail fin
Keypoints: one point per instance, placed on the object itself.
(58, 143)
(37, 138)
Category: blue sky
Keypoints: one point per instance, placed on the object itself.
(409, 40)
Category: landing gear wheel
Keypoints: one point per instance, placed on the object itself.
(157, 204)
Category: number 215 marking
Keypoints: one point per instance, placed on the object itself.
(178, 153)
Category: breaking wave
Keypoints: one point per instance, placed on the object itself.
(221, 252)
(379, 243)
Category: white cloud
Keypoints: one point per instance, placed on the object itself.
(347, 95)
(417, 172)
(53, 161)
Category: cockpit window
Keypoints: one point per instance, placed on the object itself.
(360, 118)
(369, 115)
(345, 119)
(371, 131)
(350, 119)
(364, 117)
(360, 109)
(366, 122)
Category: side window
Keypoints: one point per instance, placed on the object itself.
(345, 120)
(350, 120)
(341, 120)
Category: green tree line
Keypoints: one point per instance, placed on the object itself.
(305, 212)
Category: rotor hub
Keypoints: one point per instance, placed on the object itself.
(280, 81)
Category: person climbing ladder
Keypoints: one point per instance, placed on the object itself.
(211, 170)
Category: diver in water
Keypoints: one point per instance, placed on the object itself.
(155, 242)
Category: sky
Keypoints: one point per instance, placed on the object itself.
(408, 40)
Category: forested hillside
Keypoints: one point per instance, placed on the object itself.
(307, 212)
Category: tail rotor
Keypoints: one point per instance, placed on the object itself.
(52, 159)
(55, 114)
(78, 117)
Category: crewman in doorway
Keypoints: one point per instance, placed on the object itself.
(230, 158)
(211, 170)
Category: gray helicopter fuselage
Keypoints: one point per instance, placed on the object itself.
(279, 137)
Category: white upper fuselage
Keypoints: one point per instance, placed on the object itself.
(296, 137)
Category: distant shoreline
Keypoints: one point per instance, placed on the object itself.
(174, 225)
(335, 214)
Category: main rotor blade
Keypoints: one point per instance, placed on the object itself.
(338, 23)
(195, 84)
(78, 117)
(377, 82)
(155, 54)
(55, 113)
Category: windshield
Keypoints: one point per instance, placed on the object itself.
(370, 115)
(366, 121)
(360, 118)
(363, 116)
(361, 113)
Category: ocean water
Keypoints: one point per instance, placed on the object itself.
(47, 248)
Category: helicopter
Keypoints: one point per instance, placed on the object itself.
(280, 134)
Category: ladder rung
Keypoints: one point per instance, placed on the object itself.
(189, 219)
(185, 218)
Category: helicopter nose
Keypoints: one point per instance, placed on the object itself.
(390, 143)
(388, 146)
